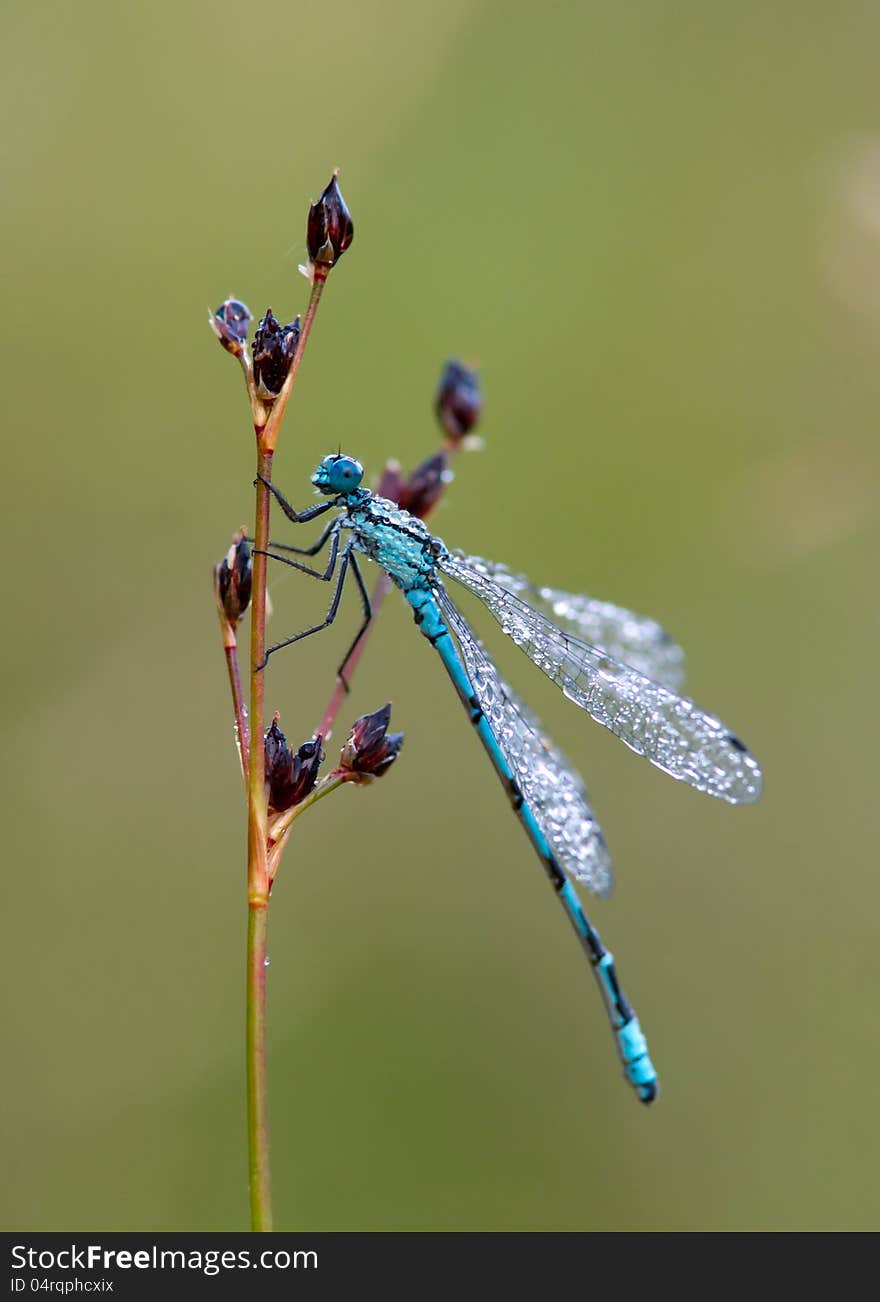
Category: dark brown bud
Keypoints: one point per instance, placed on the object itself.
(330, 228)
(274, 346)
(459, 400)
(234, 577)
(371, 749)
(230, 324)
(419, 493)
(290, 777)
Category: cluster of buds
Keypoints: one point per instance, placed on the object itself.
(273, 347)
(329, 232)
(368, 753)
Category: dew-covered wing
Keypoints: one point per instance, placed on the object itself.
(668, 729)
(634, 639)
(552, 789)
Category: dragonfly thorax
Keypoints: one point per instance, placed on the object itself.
(399, 542)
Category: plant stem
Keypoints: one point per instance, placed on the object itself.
(242, 733)
(259, 882)
(258, 1118)
(258, 879)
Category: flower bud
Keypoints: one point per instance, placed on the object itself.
(419, 493)
(330, 228)
(371, 749)
(230, 324)
(290, 777)
(459, 401)
(234, 577)
(274, 346)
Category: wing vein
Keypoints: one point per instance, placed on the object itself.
(551, 787)
(669, 730)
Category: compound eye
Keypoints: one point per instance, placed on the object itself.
(347, 473)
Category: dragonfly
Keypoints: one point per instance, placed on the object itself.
(622, 669)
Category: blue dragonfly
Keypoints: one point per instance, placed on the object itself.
(623, 669)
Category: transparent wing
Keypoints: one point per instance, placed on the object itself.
(668, 729)
(553, 790)
(621, 634)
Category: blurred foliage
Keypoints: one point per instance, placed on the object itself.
(657, 228)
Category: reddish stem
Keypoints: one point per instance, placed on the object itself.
(242, 732)
(258, 878)
(258, 882)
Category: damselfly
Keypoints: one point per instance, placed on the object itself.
(619, 667)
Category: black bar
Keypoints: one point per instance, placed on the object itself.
(285, 1265)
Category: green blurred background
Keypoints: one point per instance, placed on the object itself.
(657, 228)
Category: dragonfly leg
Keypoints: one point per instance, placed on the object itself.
(331, 613)
(325, 576)
(368, 615)
(307, 551)
(298, 517)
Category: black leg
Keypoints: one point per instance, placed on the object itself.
(325, 577)
(368, 615)
(307, 551)
(298, 517)
(317, 628)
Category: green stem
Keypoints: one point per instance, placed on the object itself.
(258, 1111)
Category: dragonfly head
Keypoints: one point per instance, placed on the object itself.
(338, 475)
